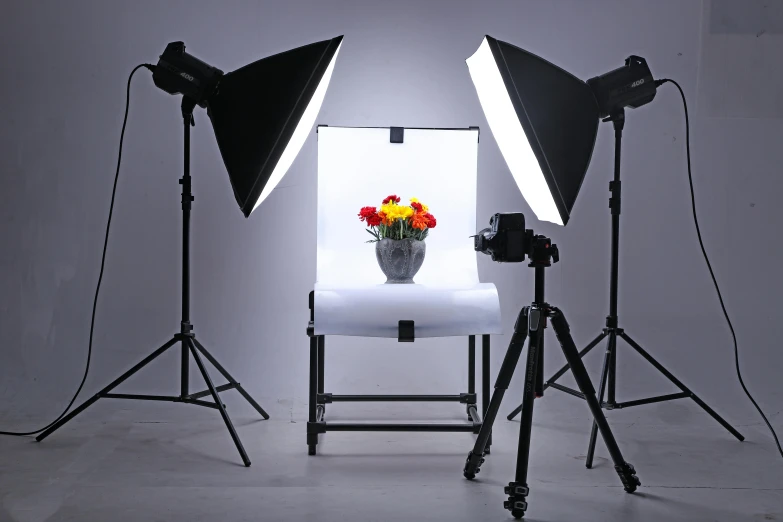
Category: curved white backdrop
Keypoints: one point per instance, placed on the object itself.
(359, 167)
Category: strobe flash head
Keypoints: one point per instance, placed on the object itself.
(629, 86)
(178, 72)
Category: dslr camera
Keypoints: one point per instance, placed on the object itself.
(507, 241)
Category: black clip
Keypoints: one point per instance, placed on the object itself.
(396, 134)
(405, 332)
(614, 200)
(516, 489)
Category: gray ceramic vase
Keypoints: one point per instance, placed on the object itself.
(400, 259)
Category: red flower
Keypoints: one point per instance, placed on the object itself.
(374, 220)
(431, 221)
(393, 197)
(367, 212)
(416, 205)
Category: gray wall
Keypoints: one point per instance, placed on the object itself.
(64, 67)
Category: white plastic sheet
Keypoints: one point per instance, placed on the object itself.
(359, 167)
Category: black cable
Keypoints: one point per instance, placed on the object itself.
(703, 251)
(103, 262)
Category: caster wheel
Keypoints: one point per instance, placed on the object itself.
(468, 475)
(517, 513)
(311, 450)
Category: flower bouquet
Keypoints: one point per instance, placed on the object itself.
(398, 232)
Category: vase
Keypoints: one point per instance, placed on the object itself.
(400, 259)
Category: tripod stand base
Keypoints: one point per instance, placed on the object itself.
(196, 349)
(531, 323)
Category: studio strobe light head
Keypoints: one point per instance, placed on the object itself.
(178, 72)
(629, 86)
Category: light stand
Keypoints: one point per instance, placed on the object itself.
(531, 323)
(186, 337)
(261, 114)
(612, 331)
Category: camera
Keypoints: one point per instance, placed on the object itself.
(507, 241)
(506, 238)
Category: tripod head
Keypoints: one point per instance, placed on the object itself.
(542, 251)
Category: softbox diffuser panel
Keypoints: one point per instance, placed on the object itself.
(263, 112)
(544, 120)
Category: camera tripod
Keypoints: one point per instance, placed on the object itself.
(531, 323)
(186, 337)
(613, 331)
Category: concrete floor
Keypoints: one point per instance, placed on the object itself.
(123, 461)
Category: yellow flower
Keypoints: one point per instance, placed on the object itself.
(393, 212)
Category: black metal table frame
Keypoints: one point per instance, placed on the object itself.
(318, 398)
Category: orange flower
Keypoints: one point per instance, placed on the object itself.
(420, 220)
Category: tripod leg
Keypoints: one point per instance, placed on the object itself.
(624, 469)
(681, 386)
(215, 397)
(485, 377)
(89, 402)
(476, 457)
(540, 369)
(611, 345)
(517, 491)
(562, 370)
(230, 379)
